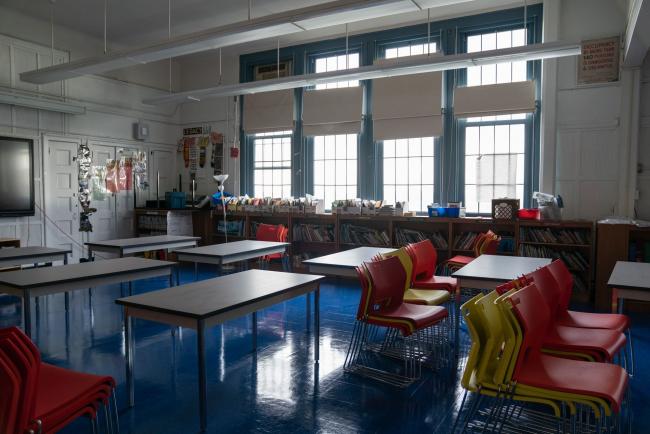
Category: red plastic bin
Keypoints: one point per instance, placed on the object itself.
(528, 214)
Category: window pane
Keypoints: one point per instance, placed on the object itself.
(415, 170)
(472, 140)
(339, 163)
(427, 146)
(389, 148)
(501, 139)
(389, 171)
(272, 169)
(401, 170)
(474, 44)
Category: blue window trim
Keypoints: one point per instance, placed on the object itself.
(449, 155)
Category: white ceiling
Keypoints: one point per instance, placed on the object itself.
(139, 22)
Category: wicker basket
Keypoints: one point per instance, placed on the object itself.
(505, 209)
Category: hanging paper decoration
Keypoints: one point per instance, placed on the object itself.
(217, 152)
(140, 170)
(98, 190)
(203, 150)
(111, 176)
(194, 157)
(188, 143)
(125, 174)
(84, 160)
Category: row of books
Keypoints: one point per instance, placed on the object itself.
(362, 235)
(405, 236)
(233, 227)
(153, 222)
(314, 233)
(573, 260)
(561, 236)
(639, 251)
(465, 241)
(579, 284)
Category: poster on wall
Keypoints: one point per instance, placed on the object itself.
(599, 61)
(140, 170)
(84, 161)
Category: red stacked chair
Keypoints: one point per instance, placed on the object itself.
(589, 320)
(485, 244)
(45, 398)
(591, 344)
(276, 233)
(407, 325)
(425, 257)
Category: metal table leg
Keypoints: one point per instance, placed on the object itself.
(317, 324)
(254, 317)
(196, 271)
(203, 387)
(308, 303)
(27, 313)
(129, 350)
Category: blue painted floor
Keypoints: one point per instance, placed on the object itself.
(273, 391)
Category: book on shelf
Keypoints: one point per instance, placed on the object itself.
(234, 227)
(550, 236)
(639, 251)
(405, 236)
(573, 260)
(465, 241)
(362, 235)
(314, 233)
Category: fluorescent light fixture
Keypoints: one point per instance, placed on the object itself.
(41, 103)
(404, 66)
(269, 26)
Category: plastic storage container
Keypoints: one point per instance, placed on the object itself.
(443, 212)
(175, 199)
(528, 214)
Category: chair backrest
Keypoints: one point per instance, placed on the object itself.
(533, 316)
(564, 278)
(10, 385)
(477, 337)
(548, 287)
(405, 259)
(364, 301)
(267, 232)
(486, 244)
(387, 278)
(425, 257)
(26, 357)
(517, 283)
(492, 358)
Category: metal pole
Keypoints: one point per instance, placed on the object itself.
(158, 189)
(105, 25)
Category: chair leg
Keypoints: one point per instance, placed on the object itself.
(632, 362)
(115, 410)
(93, 425)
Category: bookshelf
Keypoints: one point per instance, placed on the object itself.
(619, 242)
(313, 235)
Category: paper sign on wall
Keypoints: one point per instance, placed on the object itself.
(599, 61)
(179, 223)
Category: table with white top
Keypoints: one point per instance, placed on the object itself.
(489, 271)
(344, 264)
(17, 256)
(629, 281)
(210, 302)
(128, 246)
(65, 278)
(228, 253)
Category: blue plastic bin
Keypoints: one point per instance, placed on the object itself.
(444, 212)
(175, 199)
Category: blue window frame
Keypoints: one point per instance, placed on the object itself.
(450, 174)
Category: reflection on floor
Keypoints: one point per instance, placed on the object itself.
(273, 391)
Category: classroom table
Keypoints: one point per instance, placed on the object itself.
(489, 271)
(631, 281)
(55, 280)
(129, 246)
(210, 302)
(32, 255)
(227, 253)
(343, 264)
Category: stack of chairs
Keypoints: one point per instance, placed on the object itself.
(485, 244)
(388, 326)
(523, 360)
(278, 233)
(37, 397)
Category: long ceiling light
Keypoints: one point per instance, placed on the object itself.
(405, 66)
(269, 26)
(41, 103)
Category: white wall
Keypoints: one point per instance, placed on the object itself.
(200, 71)
(592, 123)
(112, 106)
(643, 180)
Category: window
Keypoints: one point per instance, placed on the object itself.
(335, 167)
(337, 63)
(409, 172)
(495, 145)
(272, 164)
(502, 72)
(412, 49)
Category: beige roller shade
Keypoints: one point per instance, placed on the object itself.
(332, 111)
(268, 111)
(494, 99)
(407, 106)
